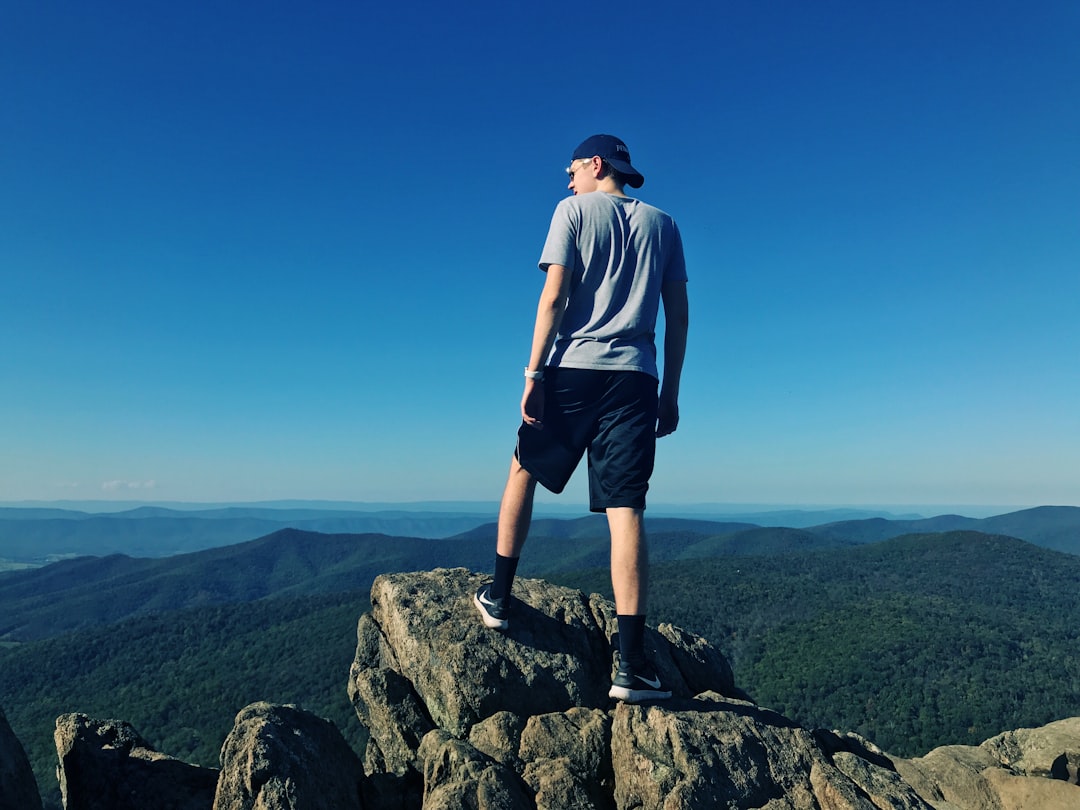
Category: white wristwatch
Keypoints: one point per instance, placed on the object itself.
(534, 375)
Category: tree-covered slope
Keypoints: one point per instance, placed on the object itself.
(180, 678)
(80, 593)
(915, 642)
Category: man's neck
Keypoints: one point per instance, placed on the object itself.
(609, 186)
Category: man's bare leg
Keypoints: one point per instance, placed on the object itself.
(629, 560)
(515, 515)
(636, 680)
(515, 511)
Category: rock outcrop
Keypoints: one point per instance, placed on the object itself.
(18, 788)
(459, 716)
(1027, 769)
(106, 764)
(282, 758)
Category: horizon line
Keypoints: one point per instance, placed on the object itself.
(541, 506)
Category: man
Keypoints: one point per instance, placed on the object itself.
(591, 384)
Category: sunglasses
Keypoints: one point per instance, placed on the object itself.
(571, 170)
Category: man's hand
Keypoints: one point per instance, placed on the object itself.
(532, 404)
(667, 416)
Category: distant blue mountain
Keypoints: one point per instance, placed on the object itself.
(91, 590)
(1053, 527)
(39, 534)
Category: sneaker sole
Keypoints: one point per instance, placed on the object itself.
(627, 695)
(488, 619)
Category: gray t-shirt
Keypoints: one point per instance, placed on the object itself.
(619, 252)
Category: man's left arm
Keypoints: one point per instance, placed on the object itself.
(676, 327)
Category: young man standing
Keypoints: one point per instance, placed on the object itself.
(591, 384)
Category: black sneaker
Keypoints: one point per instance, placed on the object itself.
(494, 612)
(632, 685)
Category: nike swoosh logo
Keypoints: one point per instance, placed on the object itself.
(485, 600)
(655, 683)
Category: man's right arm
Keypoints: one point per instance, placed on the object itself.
(549, 314)
(676, 326)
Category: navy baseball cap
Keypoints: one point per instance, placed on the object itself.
(614, 152)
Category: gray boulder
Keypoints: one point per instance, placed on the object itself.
(457, 775)
(1017, 770)
(1050, 751)
(557, 654)
(18, 788)
(720, 752)
(283, 758)
(106, 765)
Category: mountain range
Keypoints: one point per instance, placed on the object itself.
(36, 535)
(41, 535)
(89, 590)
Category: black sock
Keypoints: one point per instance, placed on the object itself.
(505, 570)
(632, 640)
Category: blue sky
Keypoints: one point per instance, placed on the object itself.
(260, 251)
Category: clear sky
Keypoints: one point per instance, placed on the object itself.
(252, 251)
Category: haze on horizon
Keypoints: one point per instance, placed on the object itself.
(550, 506)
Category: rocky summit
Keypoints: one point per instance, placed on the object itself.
(460, 716)
(463, 716)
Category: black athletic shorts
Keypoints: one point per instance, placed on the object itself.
(611, 415)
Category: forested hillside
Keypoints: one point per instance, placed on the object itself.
(80, 593)
(914, 642)
(77, 594)
(180, 678)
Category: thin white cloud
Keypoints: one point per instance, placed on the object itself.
(113, 486)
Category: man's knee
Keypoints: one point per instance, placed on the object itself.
(520, 478)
